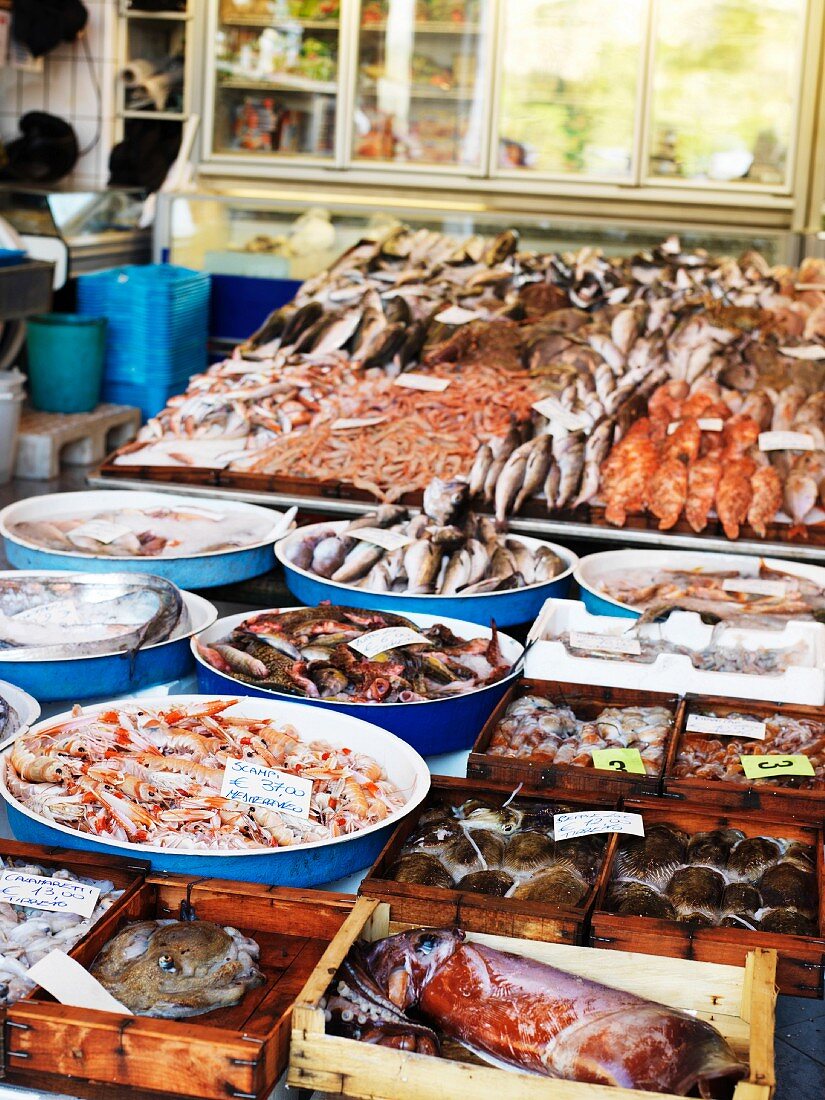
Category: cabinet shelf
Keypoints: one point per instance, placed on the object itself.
(155, 116)
(261, 21)
(158, 16)
(428, 28)
(299, 84)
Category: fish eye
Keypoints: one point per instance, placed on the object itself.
(508, 828)
(425, 944)
(166, 962)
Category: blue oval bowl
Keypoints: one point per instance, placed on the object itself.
(208, 570)
(113, 674)
(300, 865)
(431, 727)
(511, 608)
(591, 568)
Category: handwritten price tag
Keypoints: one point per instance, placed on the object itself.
(390, 540)
(562, 417)
(726, 727)
(411, 381)
(70, 984)
(587, 822)
(389, 637)
(770, 767)
(54, 895)
(757, 585)
(256, 785)
(605, 643)
(100, 530)
(619, 760)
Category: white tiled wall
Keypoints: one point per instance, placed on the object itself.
(65, 88)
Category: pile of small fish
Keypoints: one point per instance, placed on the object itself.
(44, 617)
(699, 453)
(28, 935)
(717, 878)
(537, 370)
(174, 969)
(537, 728)
(702, 756)
(506, 851)
(9, 718)
(513, 1011)
(155, 777)
(146, 532)
(309, 652)
(717, 594)
(443, 550)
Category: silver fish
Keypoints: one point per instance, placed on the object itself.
(510, 481)
(595, 451)
(551, 484)
(480, 468)
(47, 618)
(421, 562)
(503, 449)
(538, 463)
(458, 572)
(479, 560)
(568, 452)
(328, 556)
(358, 563)
(444, 501)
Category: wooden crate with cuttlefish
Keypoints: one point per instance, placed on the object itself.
(485, 857)
(710, 885)
(536, 1011)
(232, 1000)
(544, 734)
(782, 746)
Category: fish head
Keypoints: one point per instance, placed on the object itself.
(444, 501)
(404, 964)
(501, 819)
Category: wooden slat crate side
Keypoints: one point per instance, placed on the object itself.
(121, 870)
(161, 1055)
(344, 1067)
(801, 959)
(586, 701)
(759, 1009)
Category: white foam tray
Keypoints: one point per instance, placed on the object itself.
(549, 659)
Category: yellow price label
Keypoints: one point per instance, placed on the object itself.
(771, 767)
(619, 760)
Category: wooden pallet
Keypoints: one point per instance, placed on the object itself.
(47, 440)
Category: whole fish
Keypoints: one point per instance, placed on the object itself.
(568, 452)
(85, 614)
(510, 481)
(503, 449)
(535, 471)
(358, 563)
(444, 501)
(551, 485)
(511, 1009)
(421, 564)
(595, 452)
(457, 573)
(174, 969)
(480, 469)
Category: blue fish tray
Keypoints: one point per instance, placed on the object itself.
(112, 674)
(510, 608)
(207, 570)
(431, 726)
(298, 865)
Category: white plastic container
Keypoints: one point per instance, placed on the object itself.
(12, 396)
(550, 659)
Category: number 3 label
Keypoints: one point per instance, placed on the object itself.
(619, 760)
(767, 767)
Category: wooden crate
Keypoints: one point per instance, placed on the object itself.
(586, 702)
(801, 959)
(232, 1052)
(785, 799)
(480, 912)
(738, 1000)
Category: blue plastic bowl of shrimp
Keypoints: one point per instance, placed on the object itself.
(507, 608)
(431, 726)
(299, 865)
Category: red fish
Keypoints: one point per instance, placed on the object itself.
(513, 1010)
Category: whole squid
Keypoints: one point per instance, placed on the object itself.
(512, 1010)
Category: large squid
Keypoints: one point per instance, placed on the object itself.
(515, 1011)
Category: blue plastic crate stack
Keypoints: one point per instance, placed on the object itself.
(158, 323)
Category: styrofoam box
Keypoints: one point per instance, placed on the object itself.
(549, 658)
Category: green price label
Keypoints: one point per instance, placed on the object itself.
(619, 760)
(769, 767)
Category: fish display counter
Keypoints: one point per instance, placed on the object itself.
(667, 396)
(712, 886)
(509, 1020)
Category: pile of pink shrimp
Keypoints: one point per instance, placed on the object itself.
(154, 776)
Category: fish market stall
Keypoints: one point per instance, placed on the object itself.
(668, 397)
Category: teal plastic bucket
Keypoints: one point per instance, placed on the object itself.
(65, 353)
